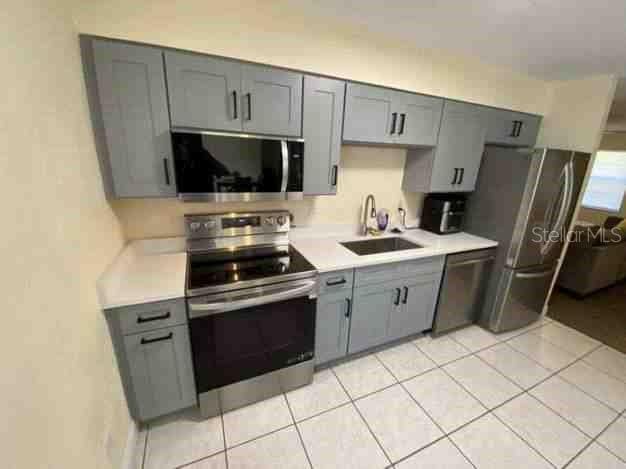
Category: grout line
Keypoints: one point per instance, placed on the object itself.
(224, 437)
(363, 418)
(145, 448)
(619, 416)
(306, 453)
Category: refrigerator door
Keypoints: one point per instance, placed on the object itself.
(520, 297)
(544, 211)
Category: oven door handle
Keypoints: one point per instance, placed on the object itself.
(206, 309)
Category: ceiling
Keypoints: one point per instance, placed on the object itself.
(547, 39)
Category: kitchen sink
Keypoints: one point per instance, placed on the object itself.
(379, 245)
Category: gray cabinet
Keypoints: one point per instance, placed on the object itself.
(332, 326)
(416, 310)
(381, 115)
(272, 101)
(160, 369)
(127, 97)
(453, 165)
(511, 128)
(153, 353)
(220, 94)
(204, 92)
(322, 120)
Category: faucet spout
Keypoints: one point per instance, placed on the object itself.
(372, 212)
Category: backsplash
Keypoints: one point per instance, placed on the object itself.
(364, 170)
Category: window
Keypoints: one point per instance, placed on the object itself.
(607, 183)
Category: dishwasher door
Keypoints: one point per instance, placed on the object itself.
(462, 289)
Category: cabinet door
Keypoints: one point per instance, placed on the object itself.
(271, 101)
(368, 114)
(369, 325)
(132, 99)
(418, 119)
(459, 150)
(203, 92)
(332, 326)
(417, 306)
(322, 120)
(528, 130)
(160, 371)
(512, 128)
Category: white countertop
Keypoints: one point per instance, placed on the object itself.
(145, 271)
(154, 269)
(321, 246)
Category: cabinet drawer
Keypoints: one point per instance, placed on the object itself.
(397, 270)
(339, 281)
(149, 316)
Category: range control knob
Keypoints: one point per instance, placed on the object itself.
(194, 226)
(269, 221)
(281, 220)
(209, 225)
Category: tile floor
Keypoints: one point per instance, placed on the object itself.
(544, 397)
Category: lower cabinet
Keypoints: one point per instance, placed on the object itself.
(332, 326)
(160, 371)
(153, 353)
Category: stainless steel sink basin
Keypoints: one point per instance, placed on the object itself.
(379, 245)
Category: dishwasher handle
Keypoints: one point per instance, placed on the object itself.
(471, 261)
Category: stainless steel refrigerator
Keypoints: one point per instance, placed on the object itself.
(524, 199)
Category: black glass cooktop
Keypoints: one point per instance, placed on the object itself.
(205, 272)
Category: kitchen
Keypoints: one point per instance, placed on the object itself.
(210, 245)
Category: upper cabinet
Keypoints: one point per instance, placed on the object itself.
(321, 129)
(512, 128)
(219, 94)
(453, 165)
(126, 86)
(381, 115)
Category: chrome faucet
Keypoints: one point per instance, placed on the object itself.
(372, 212)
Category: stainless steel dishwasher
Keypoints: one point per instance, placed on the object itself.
(462, 289)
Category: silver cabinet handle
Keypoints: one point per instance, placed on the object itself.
(206, 309)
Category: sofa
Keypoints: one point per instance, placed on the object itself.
(596, 258)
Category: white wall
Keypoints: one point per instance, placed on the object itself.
(61, 394)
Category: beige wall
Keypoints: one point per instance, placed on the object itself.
(60, 391)
(610, 142)
(274, 33)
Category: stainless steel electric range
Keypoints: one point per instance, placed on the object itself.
(251, 300)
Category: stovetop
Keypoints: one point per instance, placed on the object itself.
(207, 273)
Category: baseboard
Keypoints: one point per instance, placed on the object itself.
(131, 446)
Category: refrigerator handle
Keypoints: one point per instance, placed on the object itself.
(566, 204)
(543, 273)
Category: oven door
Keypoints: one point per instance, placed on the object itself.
(225, 167)
(239, 335)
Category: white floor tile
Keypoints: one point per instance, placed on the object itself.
(522, 330)
(324, 393)
(474, 338)
(398, 423)
(482, 381)
(139, 449)
(442, 349)
(340, 439)
(610, 361)
(405, 361)
(280, 449)
(596, 457)
(489, 444)
(514, 365)
(567, 338)
(614, 438)
(587, 413)
(181, 439)
(598, 384)
(543, 352)
(363, 376)
(441, 455)
(217, 461)
(252, 421)
(444, 399)
(556, 439)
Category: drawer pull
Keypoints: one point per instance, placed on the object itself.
(153, 318)
(398, 293)
(332, 283)
(406, 295)
(145, 341)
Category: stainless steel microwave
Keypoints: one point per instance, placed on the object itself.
(220, 167)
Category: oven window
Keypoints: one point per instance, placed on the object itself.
(223, 164)
(238, 345)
